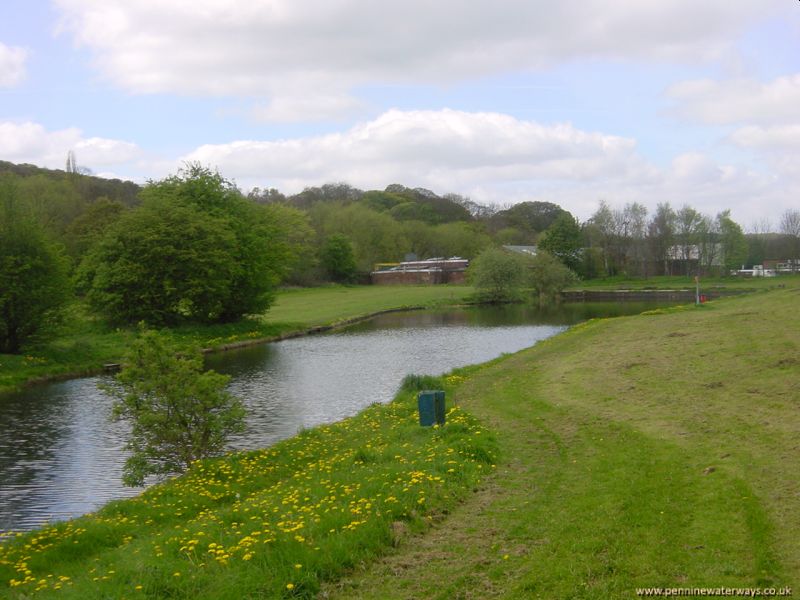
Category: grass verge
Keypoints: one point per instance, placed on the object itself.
(267, 524)
(84, 342)
(680, 282)
(650, 451)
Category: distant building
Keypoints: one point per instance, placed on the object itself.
(529, 250)
(430, 271)
(782, 266)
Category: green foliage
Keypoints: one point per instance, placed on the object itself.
(466, 240)
(406, 204)
(55, 199)
(734, 243)
(196, 250)
(336, 257)
(548, 277)
(376, 237)
(178, 413)
(418, 383)
(162, 263)
(88, 228)
(497, 275)
(563, 240)
(33, 281)
(527, 218)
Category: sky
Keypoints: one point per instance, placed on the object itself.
(569, 102)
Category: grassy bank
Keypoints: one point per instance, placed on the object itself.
(679, 282)
(84, 342)
(267, 524)
(657, 450)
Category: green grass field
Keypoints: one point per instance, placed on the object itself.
(656, 450)
(84, 343)
(322, 306)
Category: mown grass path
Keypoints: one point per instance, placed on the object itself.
(657, 450)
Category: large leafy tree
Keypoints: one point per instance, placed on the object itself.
(195, 250)
(178, 413)
(33, 276)
(734, 243)
(162, 263)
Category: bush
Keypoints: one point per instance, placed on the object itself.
(548, 277)
(497, 275)
(178, 413)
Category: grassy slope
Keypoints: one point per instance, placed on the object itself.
(657, 450)
(84, 343)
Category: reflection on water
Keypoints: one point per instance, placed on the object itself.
(60, 456)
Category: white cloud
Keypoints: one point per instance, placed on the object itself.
(495, 158)
(738, 100)
(491, 157)
(771, 139)
(12, 65)
(437, 149)
(311, 105)
(32, 143)
(294, 48)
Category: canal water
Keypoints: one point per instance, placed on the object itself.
(61, 456)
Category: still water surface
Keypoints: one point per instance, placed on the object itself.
(60, 456)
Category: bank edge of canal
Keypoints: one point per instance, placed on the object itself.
(86, 346)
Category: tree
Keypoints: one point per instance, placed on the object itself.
(376, 237)
(548, 277)
(33, 276)
(336, 257)
(178, 413)
(162, 263)
(689, 225)
(733, 241)
(497, 275)
(599, 231)
(88, 228)
(635, 226)
(466, 240)
(758, 241)
(661, 235)
(195, 250)
(790, 226)
(564, 241)
(531, 218)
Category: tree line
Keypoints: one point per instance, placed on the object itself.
(193, 248)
